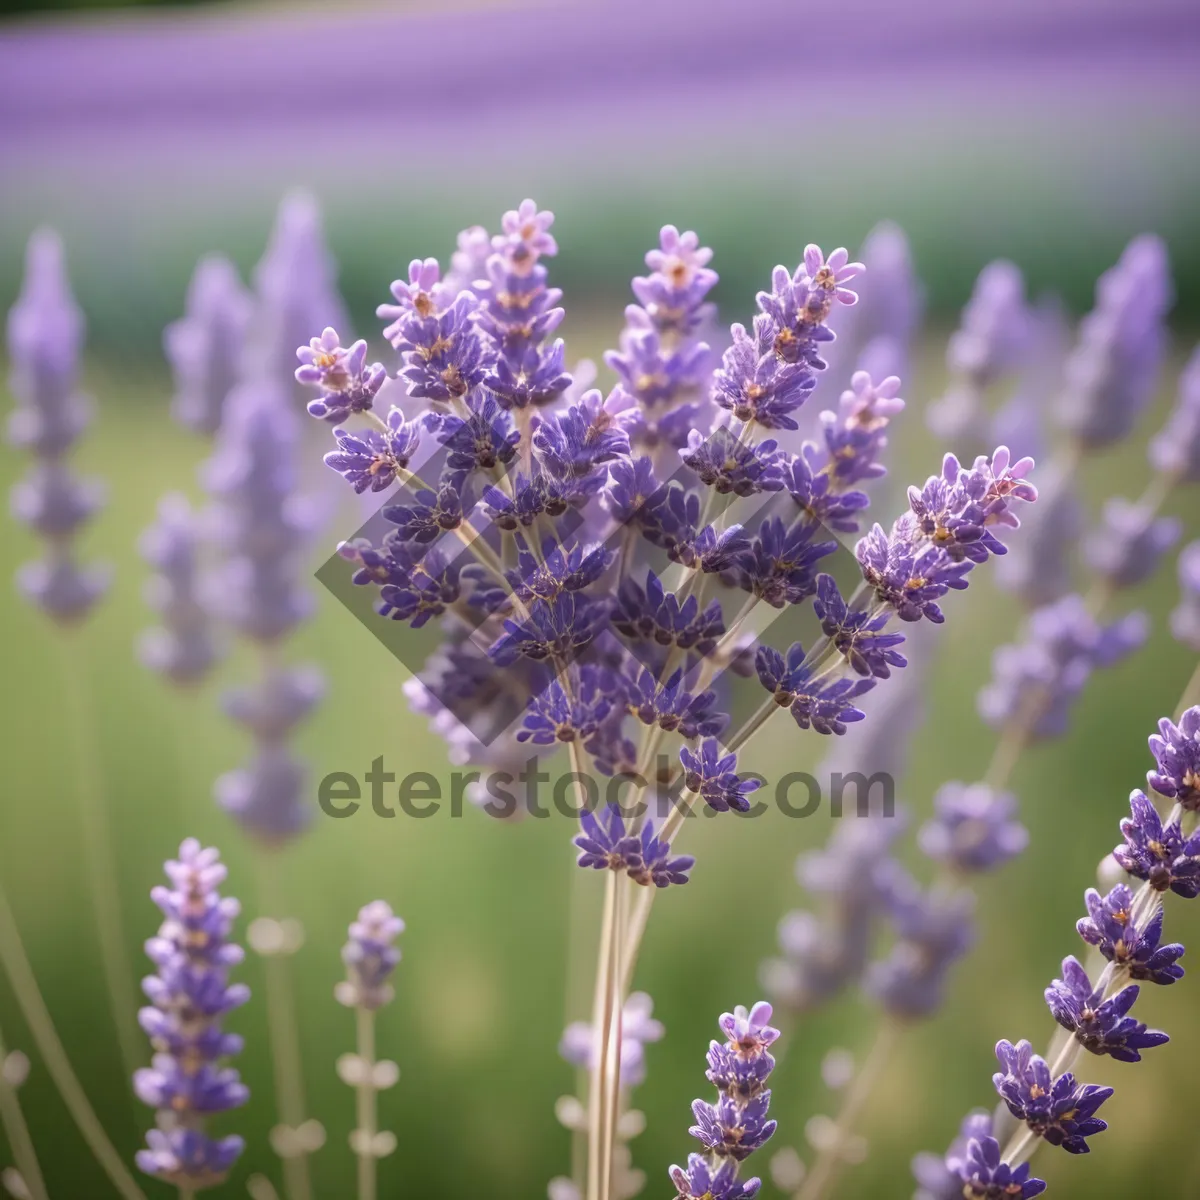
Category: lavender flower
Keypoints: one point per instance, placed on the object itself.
(1176, 450)
(1158, 852)
(973, 828)
(190, 994)
(1059, 1110)
(1185, 619)
(933, 930)
(991, 340)
(644, 857)
(986, 1177)
(737, 1125)
(184, 647)
(1111, 928)
(714, 776)
(45, 336)
(1112, 373)
(940, 1177)
(371, 458)
(263, 527)
(1041, 677)
(1176, 750)
(347, 384)
(1100, 1025)
(370, 956)
(638, 1029)
(206, 347)
(1130, 543)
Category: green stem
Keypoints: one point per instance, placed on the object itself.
(99, 860)
(601, 1028)
(13, 1120)
(829, 1159)
(282, 1029)
(58, 1065)
(366, 1105)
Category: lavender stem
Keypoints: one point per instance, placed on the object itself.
(99, 860)
(17, 1132)
(829, 1160)
(366, 1100)
(281, 1026)
(45, 1037)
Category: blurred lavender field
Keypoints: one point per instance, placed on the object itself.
(1049, 134)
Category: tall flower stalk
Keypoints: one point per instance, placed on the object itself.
(554, 633)
(188, 1080)
(370, 957)
(13, 1069)
(45, 339)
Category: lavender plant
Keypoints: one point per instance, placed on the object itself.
(542, 498)
(1091, 1003)
(370, 956)
(45, 338)
(189, 995)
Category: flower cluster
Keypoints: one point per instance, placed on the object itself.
(189, 995)
(370, 956)
(1039, 679)
(45, 336)
(1185, 619)
(184, 647)
(737, 1125)
(1093, 1004)
(206, 347)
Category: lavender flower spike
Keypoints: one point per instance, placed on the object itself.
(1112, 373)
(370, 957)
(1099, 1025)
(1176, 450)
(1130, 543)
(183, 647)
(1176, 750)
(190, 994)
(207, 345)
(45, 335)
(737, 1125)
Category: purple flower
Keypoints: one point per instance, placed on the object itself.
(652, 614)
(269, 796)
(346, 383)
(1176, 450)
(986, 1177)
(1113, 371)
(1110, 927)
(724, 462)
(737, 1125)
(933, 930)
(822, 704)
(829, 275)
(552, 716)
(370, 459)
(206, 346)
(755, 385)
(1060, 1111)
(183, 647)
(940, 1177)
(907, 575)
(607, 845)
(555, 629)
(444, 353)
(815, 490)
(974, 827)
(855, 436)
(779, 564)
(1130, 543)
(45, 336)
(638, 1027)
(714, 776)
(275, 705)
(650, 862)
(370, 956)
(1099, 1025)
(1064, 644)
(1158, 853)
(418, 296)
(704, 1180)
(673, 294)
(429, 516)
(1176, 750)
(526, 236)
(991, 340)
(857, 635)
(190, 994)
(671, 706)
